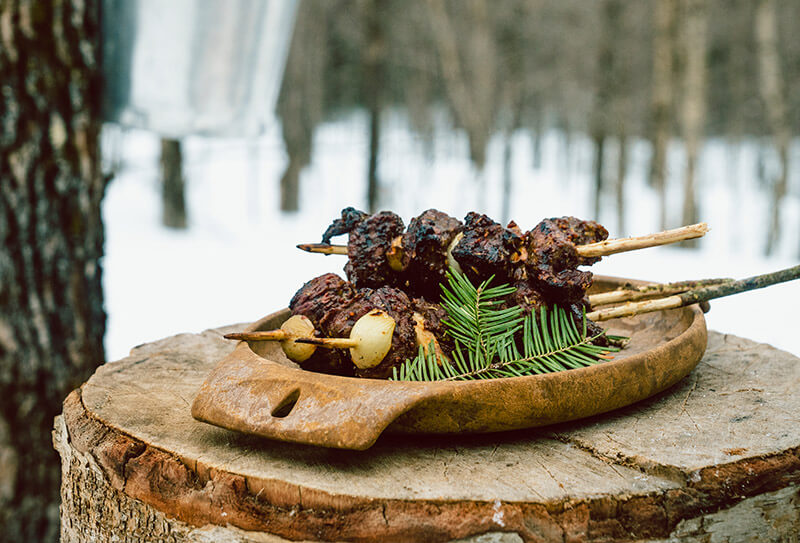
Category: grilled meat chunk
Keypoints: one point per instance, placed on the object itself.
(349, 219)
(319, 298)
(487, 249)
(334, 306)
(425, 246)
(552, 258)
(369, 243)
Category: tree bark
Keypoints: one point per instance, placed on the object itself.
(51, 305)
(771, 86)
(663, 51)
(694, 102)
(173, 200)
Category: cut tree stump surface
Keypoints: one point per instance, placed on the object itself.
(719, 452)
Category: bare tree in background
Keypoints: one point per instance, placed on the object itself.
(662, 98)
(469, 76)
(373, 81)
(771, 86)
(51, 301)
(173, 200)
(301, 101)
(604, 94)
(694, 100)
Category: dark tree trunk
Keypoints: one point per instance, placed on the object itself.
(51, 304)
(599, 140)
(771, 83)
(622, 173)
(300, 103)
(374, 75)
(290, 185)
(662, 98)
(173, 200)
(695, 30)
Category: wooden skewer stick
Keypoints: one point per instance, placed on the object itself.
(323, 248)
(621, 245)
(329, 342)
(695, 296)
(369, 341)
(591, 250)
(631, 293)
(271, 335)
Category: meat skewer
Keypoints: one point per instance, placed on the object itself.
(630, 293)
(334, 307)
(417, 260)
(596, 249)
(699, 295)
(373, 333)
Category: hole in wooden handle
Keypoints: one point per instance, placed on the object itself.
(286, 405)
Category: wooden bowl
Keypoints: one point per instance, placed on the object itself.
(257, 390)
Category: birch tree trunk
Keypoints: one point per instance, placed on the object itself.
(772, 92)
(663, 50)
(694, 101)
(51, 305)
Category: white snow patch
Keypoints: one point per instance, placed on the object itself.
(498, 516)
(238, 261)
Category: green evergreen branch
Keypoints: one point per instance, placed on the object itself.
(487, 337)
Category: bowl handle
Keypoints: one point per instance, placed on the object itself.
(248, 393)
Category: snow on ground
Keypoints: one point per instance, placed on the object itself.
(238, 261)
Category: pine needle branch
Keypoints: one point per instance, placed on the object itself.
(491, 341)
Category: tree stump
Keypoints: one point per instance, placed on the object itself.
(715, 458)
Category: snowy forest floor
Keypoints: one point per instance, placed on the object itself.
(237, 261)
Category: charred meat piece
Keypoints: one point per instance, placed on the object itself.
(593, 330)
(433, 316)
(367, 248)
(552, 258)
(349, 219)
(487, 249)
(320, 297)
(398, 306)
(578, 232)
(319, 300)
(334, 306)
(527, 297)
(425, 246)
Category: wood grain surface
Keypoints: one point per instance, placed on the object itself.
(726, 436)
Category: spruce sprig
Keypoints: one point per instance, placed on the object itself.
(488, 338)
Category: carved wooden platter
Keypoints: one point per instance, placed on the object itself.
(257, 390)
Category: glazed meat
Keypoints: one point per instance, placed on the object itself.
(334, 306)
(321, 296)
(552, 258)
(546, 256)
(370, 241)
(398, 306)
(343, 225)
(425, 246)
(487, 249)
(319, 300)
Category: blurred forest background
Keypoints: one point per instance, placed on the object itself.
(615, 71)
(643, 114)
